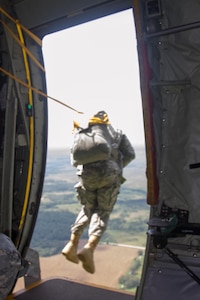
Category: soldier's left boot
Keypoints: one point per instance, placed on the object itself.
(86, 254)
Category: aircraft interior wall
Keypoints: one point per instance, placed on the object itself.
(48, 16)
(170, 31)
(23, 138)
(177, 106)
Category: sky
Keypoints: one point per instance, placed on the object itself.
(93, 67)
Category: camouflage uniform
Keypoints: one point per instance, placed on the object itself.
(10, 264)
(100, 178)
(98, 188)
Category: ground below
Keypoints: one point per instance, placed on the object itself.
(111, 262)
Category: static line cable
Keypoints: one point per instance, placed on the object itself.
(36, 90)
(22, 45)
(39, 42)
(32, 35)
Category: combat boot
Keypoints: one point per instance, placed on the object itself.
(86, 254)
(70, 250)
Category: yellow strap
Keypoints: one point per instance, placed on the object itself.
(32, 35)
(22, 45)
(39, 42)
(76, 125)
(96, 120)
(31, 130)
(36, 90)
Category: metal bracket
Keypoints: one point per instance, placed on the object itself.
(33, 273)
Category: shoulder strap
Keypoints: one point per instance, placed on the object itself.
(116, 140)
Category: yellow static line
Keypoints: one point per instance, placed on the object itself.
(36, 90)
(31, 135)
(25, 53)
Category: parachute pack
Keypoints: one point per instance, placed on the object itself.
(91, 144)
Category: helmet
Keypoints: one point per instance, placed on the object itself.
(100, 118)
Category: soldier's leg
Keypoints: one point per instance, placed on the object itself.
(87, 199)
(82, 220)
(106, 199)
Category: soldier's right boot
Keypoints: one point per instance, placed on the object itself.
(70, 250)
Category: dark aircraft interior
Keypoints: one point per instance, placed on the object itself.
(169, 53)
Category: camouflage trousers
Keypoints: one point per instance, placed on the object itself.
(10, 264)
(97, 191)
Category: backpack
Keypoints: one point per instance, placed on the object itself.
(91, 144)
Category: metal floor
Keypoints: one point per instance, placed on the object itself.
(62, 289)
